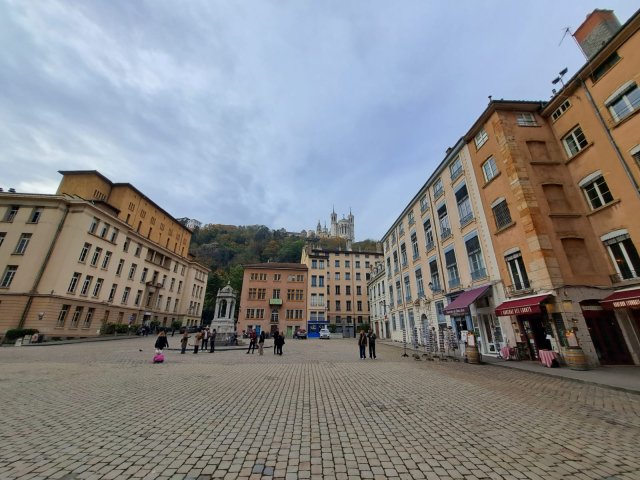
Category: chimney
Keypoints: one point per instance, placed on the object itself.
(597, 29)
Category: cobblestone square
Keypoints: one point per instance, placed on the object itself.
(102, 410)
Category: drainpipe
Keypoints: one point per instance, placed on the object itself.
(611, 139)
(47, 257)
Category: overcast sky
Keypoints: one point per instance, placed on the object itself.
(266, 112)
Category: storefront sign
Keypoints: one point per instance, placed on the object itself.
(526, 310)
(629, 303)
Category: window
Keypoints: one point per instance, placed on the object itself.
(557, 113)
(358, 276)
(358, 290)
(348, 305)
(481, 138)
(435, 276)
(337, 275)
(410, 218)
(132, 271)
(106, 260)
(112, 292)
(314, 281)
(605, 66)
(104, 230)
(86, 285)
(395, 262)
(455, 169)
(22, 244)
(114, 235)
(526, 119)
(476, 263)
(419, 282)
(9, 274)
(401, 320)
(403, 254)
(12, 211)
(347, 264)
(125, 295)
(97, 287)
(438, 188)
(337, 263)
(120, 267)
(314, 263)
(62, 316)
(357, 263)
(275, 293)
(390, 296)
(88, 318)
(624, 101)
(517, 271)
(36, 214)
(338, 306)
(501, 213)
(407, 289)
(2, 237)
(489, 169)
(136, 300)
(464, 206)
(125, 246)
(424, 203)
(359, 305)
(73, 284)
(574, 141)
(347, 290)
(398, 292)
(76, 317)
(143, 277)
(94, 225)
(445, 227)
(96, 256)
(401, 228)
(452, 268)
(596, 190)
(139, 250)
(440, 312)
(623, 254)
(428, 234)
(414, 245)
(337, 288)
(347, 276)
(321, 281)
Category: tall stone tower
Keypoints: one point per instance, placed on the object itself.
(334, 223)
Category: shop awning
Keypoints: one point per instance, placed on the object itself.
(460, 306)
(521, 306)
(622, 299)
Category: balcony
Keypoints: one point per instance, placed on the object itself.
(454, 282)
(466, 220)
(478, 274)
(430, 246)
(424, 207)
(519, 289)
(625, 276)
(445, 233)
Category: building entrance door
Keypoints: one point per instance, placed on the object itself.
(606, 335)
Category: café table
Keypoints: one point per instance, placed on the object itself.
(547, 357)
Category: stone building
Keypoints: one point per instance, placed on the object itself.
(96, 252)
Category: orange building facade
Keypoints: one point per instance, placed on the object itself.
(274, 298)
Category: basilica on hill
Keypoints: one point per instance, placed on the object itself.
(343, 228)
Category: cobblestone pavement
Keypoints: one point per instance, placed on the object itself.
(102, 410)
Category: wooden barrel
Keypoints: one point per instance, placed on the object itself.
(574, 356)
(472, 354)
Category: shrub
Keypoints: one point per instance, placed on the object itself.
(122, 328)
(109, 329)
(332, 327)
(176, 324)
(15, 333)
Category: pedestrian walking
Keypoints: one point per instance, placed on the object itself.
(205, 338)
(275, 342)
(261, 342)
(279, 343)
(184, 341)
(252, 340)
(372, 345)
(196, 344)
(362, 343)
(161, 341)
(212, 340)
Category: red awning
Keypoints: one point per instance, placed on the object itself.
(622, 299)
(460, 306)
(521, 306)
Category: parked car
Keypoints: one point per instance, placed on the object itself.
(325, 333)
(301, 334)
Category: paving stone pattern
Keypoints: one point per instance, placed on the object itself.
(103, 411)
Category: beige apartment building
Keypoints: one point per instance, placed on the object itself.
(274, 298)
(378, 300)
(440, 269)
(338, 288)
(559, 181)
(92, 254)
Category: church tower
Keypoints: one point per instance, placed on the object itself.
(334, 223)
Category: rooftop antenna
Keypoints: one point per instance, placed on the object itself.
(561, 74)
(566, 31)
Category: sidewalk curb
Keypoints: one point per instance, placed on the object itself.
(501, 365)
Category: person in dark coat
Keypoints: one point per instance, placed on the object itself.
(261, 342)
(184, 341)
(252, 341)
(279, 343)
(212, 340)
(362, 343)
(372, 344)
(161, 341)
(275, 342)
